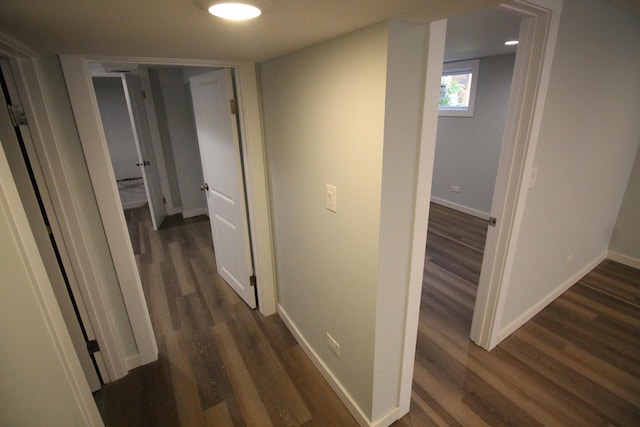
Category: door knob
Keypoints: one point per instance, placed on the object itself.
(204, 187)
(143, 163)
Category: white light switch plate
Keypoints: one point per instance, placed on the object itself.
(331, 196)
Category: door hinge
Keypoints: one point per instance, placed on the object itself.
(49, 230)
(234, 106)
(144, 95)
(252, 280)
(164, 200)
(93, 347)
(492, 221)
(16, 113)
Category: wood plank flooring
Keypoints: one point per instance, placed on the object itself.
(576, 363)
(220, 363)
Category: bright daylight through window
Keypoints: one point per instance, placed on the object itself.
(458, 88)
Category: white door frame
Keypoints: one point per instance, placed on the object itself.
(529, 86)
(79, 85)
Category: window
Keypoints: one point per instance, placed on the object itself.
(458, 88)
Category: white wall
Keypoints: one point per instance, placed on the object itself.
(178, 108)
(404, 99)
(165, 138)
(625, 239)
(324, 122)
(119, 133)
(347, 112)
(588, 140)
(37, 389)
(79, 182)
(468, 148)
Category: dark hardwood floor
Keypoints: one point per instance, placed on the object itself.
(577, 363)
(221, 364)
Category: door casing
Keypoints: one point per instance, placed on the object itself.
(78, 80)
(529, 86)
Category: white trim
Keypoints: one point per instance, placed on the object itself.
(460, 208)
(31, 83)
(96, 153)
(156, 140)
(624, 259)
(12, 48)
(389, 418)
(538, 34)
(333, 381)
(551, 10)
(195, 212)
(551, 296)
(174, 211)
(424, 178)
(134, 204)
(10, 203)
(133, 361)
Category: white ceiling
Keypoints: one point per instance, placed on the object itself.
(178, 29)
(480, 33)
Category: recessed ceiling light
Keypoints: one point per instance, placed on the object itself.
(235, 11)
(511, 42)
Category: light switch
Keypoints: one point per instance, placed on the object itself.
(331, 198)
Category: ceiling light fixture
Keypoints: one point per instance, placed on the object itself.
(241, 10)
(511, 42)
(235, 11)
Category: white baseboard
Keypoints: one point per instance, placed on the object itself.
(624, 259)
(132, 362)
(335, 384)
(194, 212)
(461, 208)
(528, 315)
(174, 210)
(134, 204)
(388, 419)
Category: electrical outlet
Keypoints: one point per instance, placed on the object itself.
(534, 177)
(333, 345)
(455, 188)
(331, 195)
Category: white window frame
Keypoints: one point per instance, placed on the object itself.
(459, 67)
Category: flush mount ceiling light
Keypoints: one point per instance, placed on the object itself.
(511, 42)
(235, 11)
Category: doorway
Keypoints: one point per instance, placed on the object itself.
(475, 88)
(177, 125)
(76, 71)
(26, 169)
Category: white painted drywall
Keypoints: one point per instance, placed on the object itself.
(468, 148)
(178, 109)
(588, 141)
(80, 184)
(35, 362)
(117, 129)
(165, 138)
(625, 239)
(324, 124)
(406, 73)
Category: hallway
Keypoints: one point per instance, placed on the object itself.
(220, 363)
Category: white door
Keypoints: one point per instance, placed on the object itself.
(142, 137)
(217, 129)
(51, 246)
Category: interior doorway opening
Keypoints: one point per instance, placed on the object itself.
(174, 149)
(468, 147)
